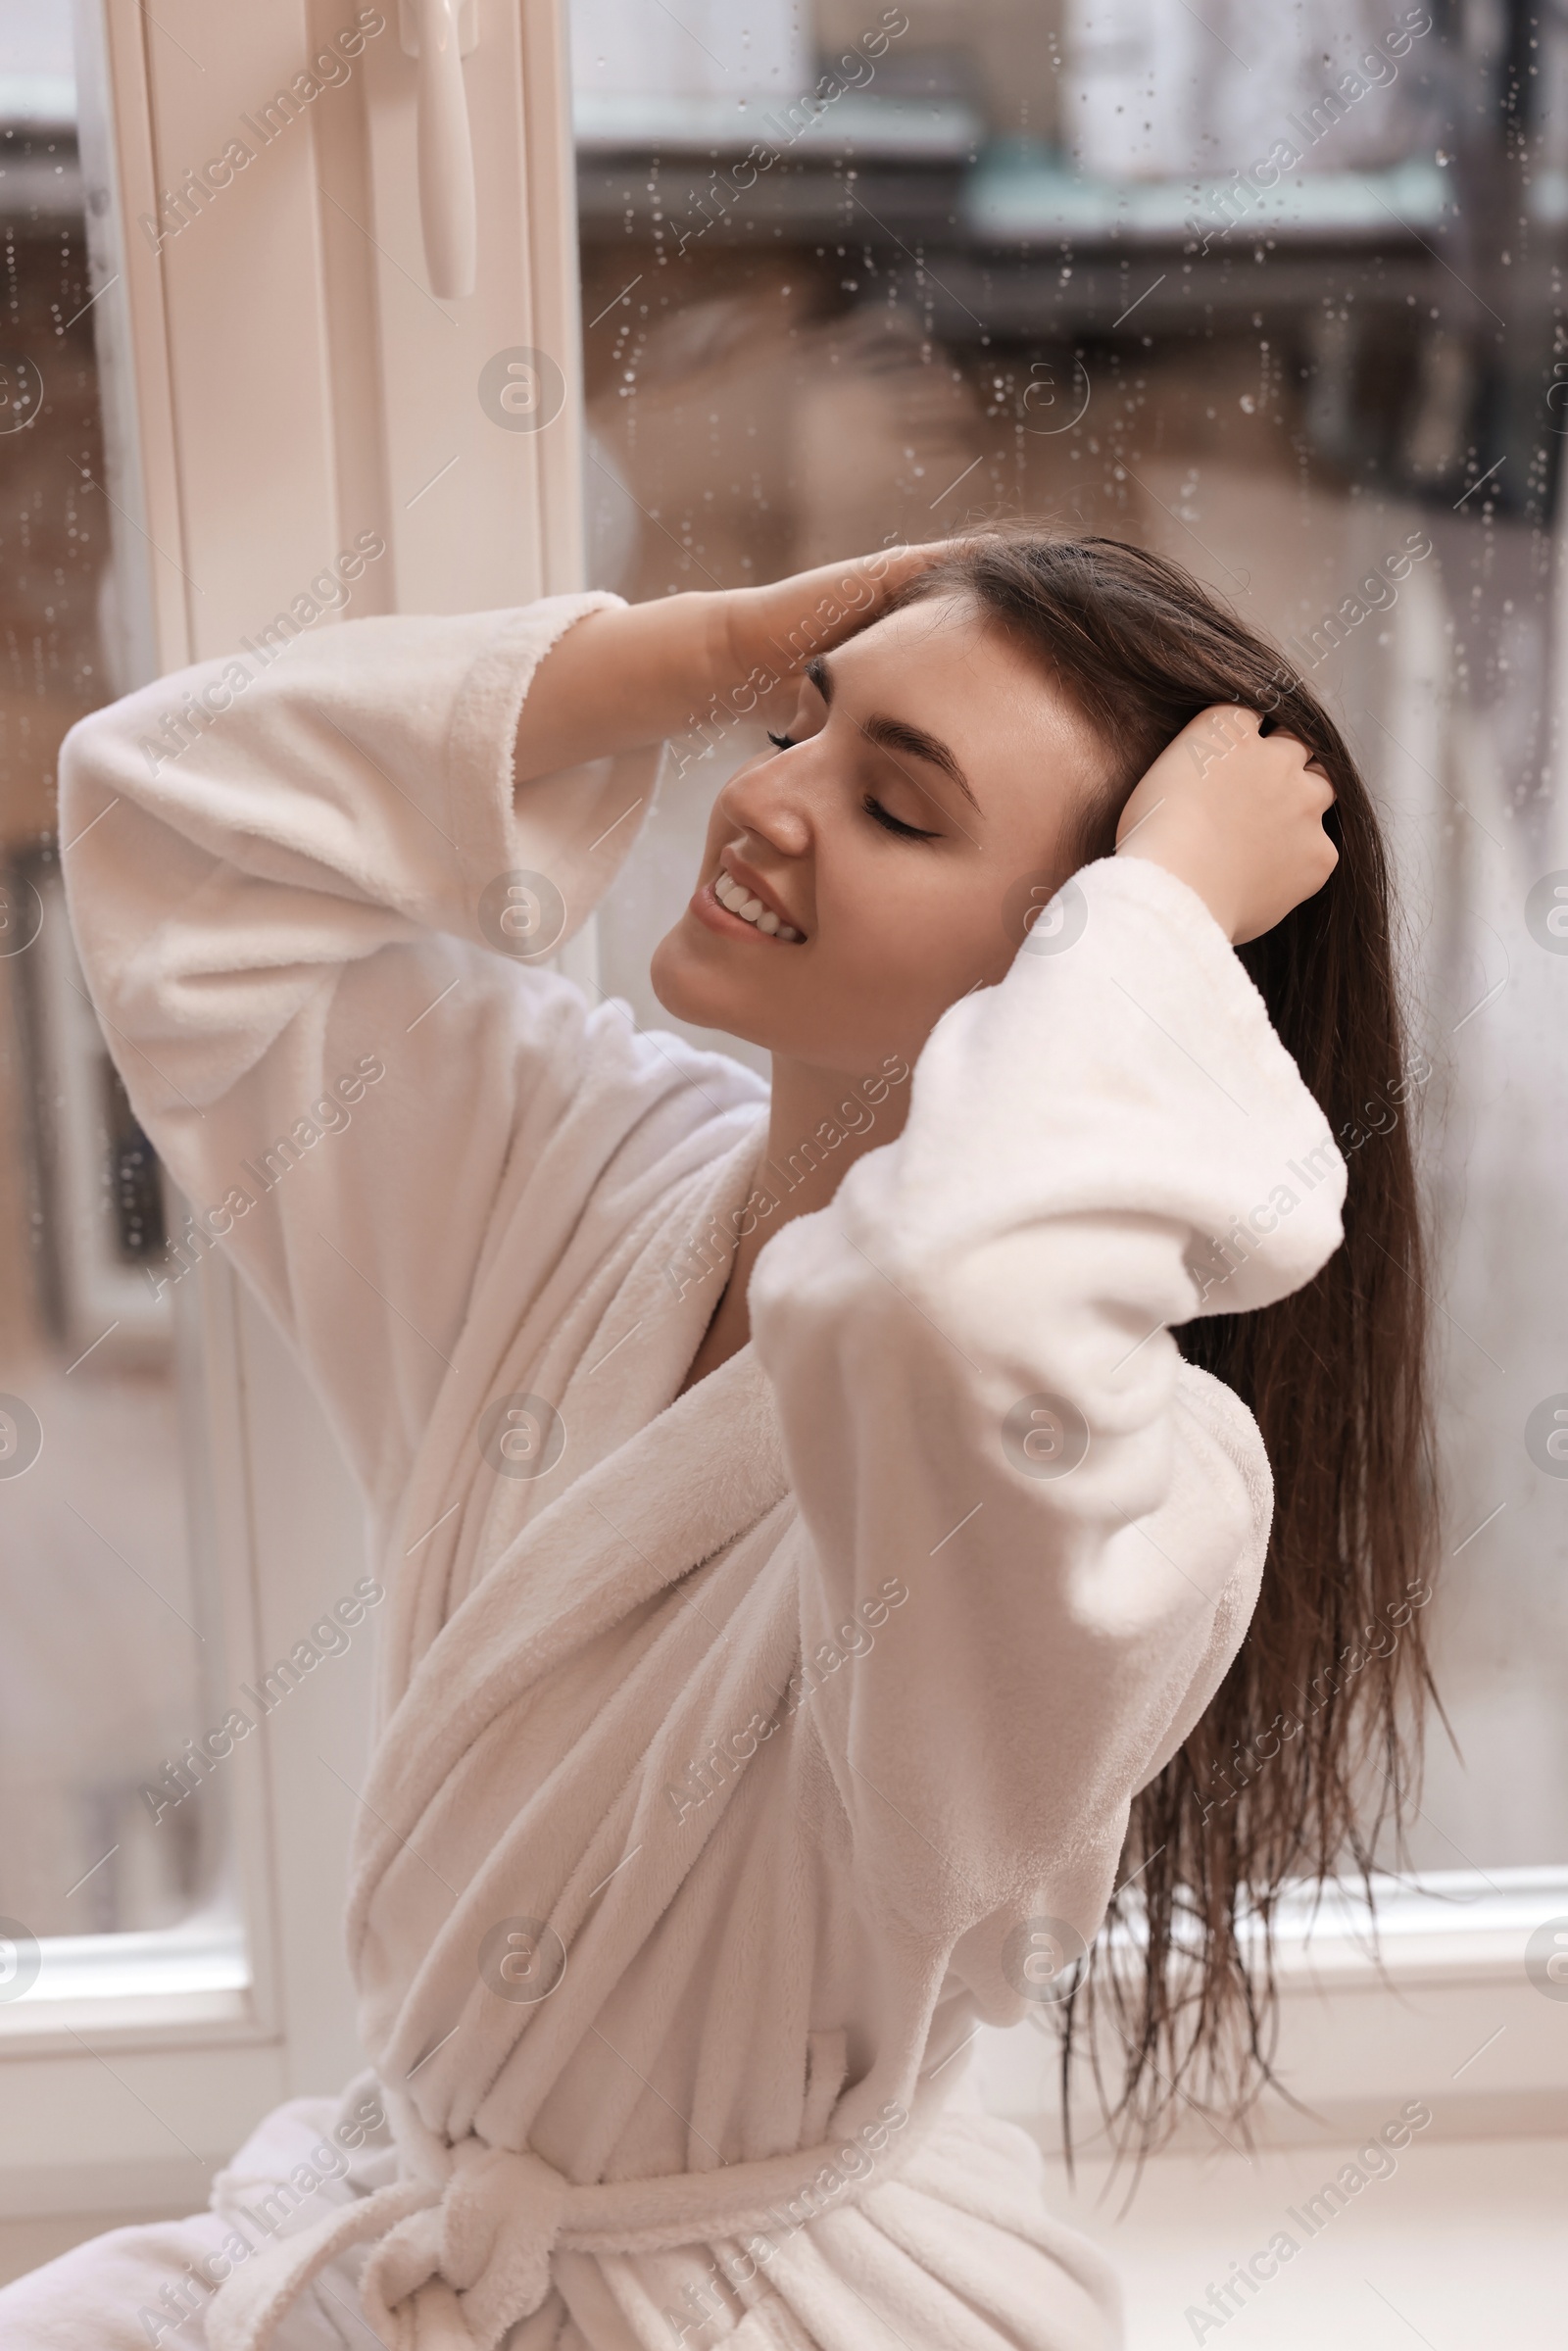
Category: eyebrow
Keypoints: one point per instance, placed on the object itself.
(894, 735)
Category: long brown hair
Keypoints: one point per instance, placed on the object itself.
(1309, 1751)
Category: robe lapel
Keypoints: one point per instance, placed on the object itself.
(608, 1364)
(704, 1471)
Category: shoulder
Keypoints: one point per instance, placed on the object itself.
(666, 1063)
(635, 1099)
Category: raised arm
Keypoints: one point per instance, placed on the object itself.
(983, 1403)
(289, 886)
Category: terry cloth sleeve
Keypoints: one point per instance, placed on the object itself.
(302, 894)
(985, 1409)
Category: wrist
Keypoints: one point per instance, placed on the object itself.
(626, 675)
(715, 640)
(1190, 861)
(747, 631)
(684, 657)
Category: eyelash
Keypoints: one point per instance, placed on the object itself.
(893, 824)
(870, 803)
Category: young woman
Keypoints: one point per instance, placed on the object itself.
(823, 1521)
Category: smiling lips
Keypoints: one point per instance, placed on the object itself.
(736, 899)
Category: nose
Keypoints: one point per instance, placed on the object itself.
(768, 799)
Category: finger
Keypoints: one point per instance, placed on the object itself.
(921, 555)
(892, 567)
(1228, 720)
(1215, 732)
(1304, 763)
(856, 590)
(1320, 781)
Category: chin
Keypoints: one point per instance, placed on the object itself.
(693, 987)
(703, 987)
(686, 991)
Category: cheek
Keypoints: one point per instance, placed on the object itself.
(910, 931)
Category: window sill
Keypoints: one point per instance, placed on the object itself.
(165, 1984)
(1450, 1926)
(1440, 2008)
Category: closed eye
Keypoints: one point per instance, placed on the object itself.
(893, 824)
(871, 804)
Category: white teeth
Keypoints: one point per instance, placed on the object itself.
(731, 893)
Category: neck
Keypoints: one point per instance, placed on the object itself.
(819, 1124)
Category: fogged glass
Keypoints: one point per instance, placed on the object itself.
(1275, 292)
(102, 1647)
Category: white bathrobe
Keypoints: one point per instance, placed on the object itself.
(732, 1745)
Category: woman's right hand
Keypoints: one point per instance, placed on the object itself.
(775, 631)
(635, 673)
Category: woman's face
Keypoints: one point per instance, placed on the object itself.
(929, 772)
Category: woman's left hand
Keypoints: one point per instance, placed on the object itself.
(1238, 815)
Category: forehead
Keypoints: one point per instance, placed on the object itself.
(945, 664)
(949, 626)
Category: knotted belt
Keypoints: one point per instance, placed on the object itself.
(463, 2259)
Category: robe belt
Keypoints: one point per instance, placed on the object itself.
(461, 2260)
